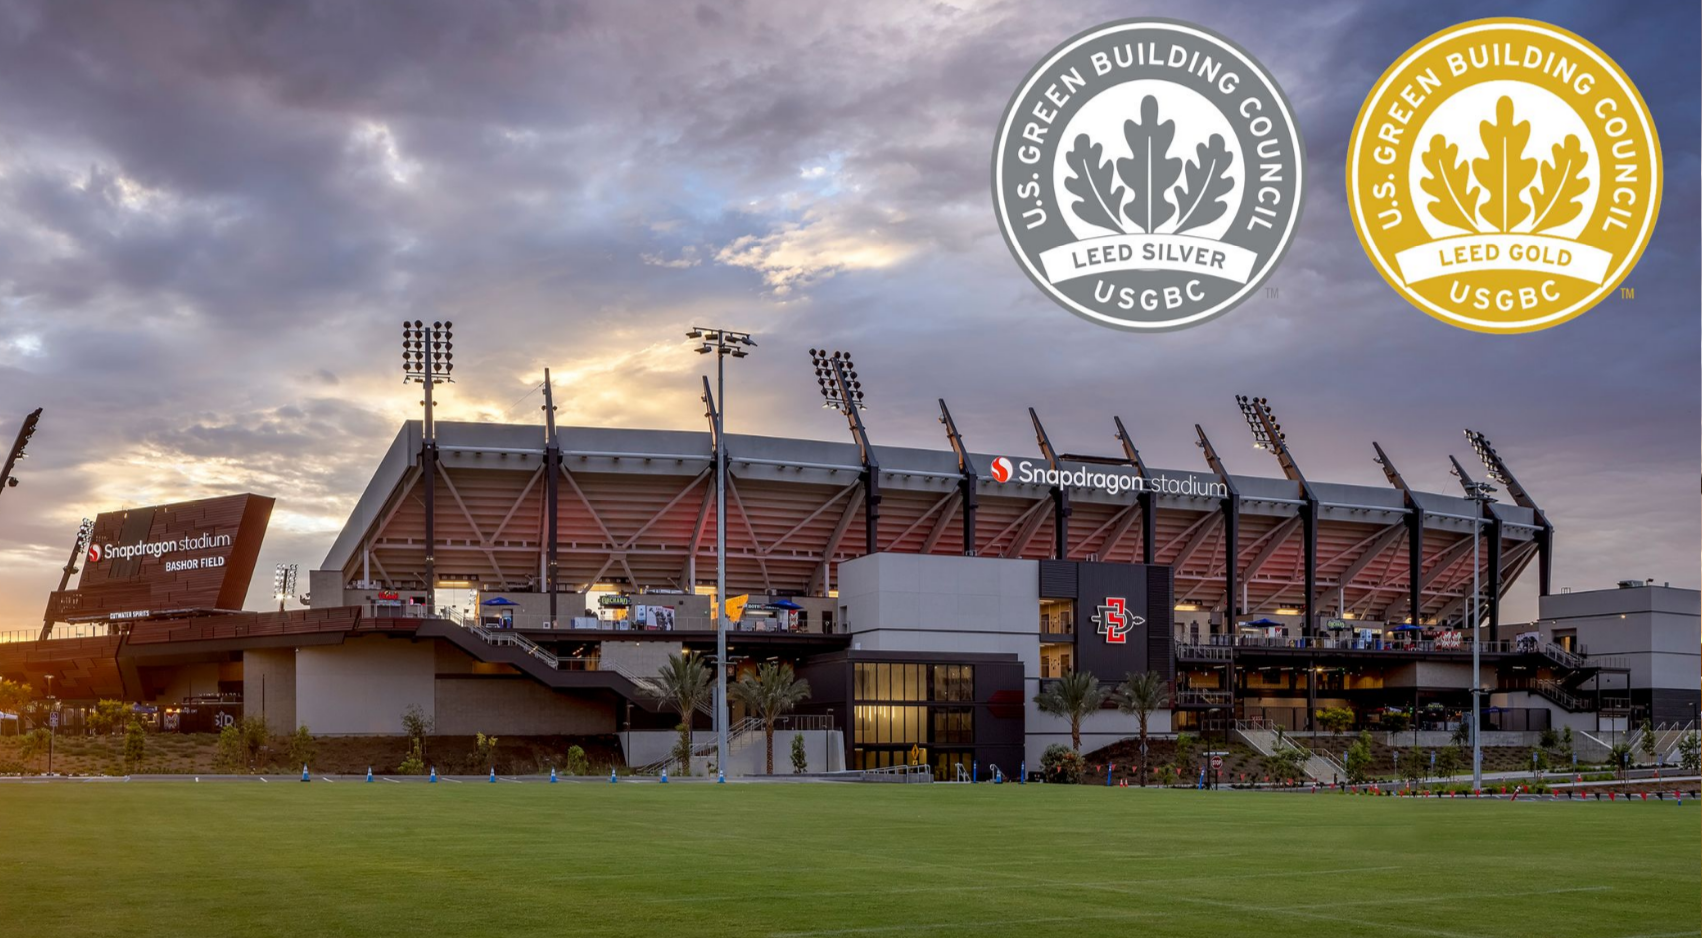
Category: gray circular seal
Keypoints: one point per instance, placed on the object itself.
(1148, 175)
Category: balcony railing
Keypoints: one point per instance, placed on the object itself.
(1216, 646)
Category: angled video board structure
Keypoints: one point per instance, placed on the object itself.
(183, 557)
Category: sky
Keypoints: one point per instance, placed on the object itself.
(214, 217)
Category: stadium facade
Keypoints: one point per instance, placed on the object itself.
(510, 582)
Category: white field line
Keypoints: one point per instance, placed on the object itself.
(1319, 916)
(445, 778)
(1028, 883)
(1452, 897)
(960, 924)
(391, 780)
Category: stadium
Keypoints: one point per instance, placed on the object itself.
(525, 581)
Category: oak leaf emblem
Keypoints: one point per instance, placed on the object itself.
(1158, 190)
(1499, 191)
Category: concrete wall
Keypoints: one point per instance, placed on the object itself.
(825, 749)
(641, 658)
(954, 604)
(1433, 674)
(191, 680)
(516, 706)
(268, 687)
(363, 685)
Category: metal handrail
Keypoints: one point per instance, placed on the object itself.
(1210, 649)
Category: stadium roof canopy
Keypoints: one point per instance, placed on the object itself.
(636, 509)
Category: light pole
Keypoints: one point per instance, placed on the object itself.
(428, 358)
(737, 344)
(1478, 493)
(7, 480)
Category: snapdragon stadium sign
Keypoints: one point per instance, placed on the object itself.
(1005, 469)
(1147, 175)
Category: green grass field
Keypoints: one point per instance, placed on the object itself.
(236, 859)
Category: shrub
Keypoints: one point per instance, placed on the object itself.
(1062, 765)
(800, 760)
(135, 745)
(232, 754)
(302, 747)
(1187, 748)
(414, 763)
(34, 743)
(577, 764)
(1285, 763)
(487, 749)
(1463, 734)
(1549, 739)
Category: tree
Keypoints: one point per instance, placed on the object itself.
(1565, 749)
(1337, 720)
(1462, 735)
(1449, 760)
(1646, 742)
(685, 683)
(414, 763)
(1411, 763)
(107, 716)
(770, 694)
(1187, 745)
(1395, 720)
(1690, 752)
(487, 750)
(302, 747)
(1141, 694)
(254, 735)
(1075, 697)
(135, 745)
(1357, 762)
(1620, 757)
(416, 726)
(800, 759)
(13, 696)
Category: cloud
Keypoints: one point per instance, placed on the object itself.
(213, 217)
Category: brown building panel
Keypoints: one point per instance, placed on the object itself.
(197, 555)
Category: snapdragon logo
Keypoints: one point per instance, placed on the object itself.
(155, 549)
(1113, 483)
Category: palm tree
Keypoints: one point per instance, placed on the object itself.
(772, 692)
(1075, 696)
(1141, 694)
(685, 682)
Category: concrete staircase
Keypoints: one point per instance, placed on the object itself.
(1264, 740)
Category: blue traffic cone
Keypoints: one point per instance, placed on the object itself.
(664, 775)
(612, 778)
(304, 772)
(720, 777)
(434, 775)
(493, 775)
(369, 773)
(552, 775)
(1023, 778)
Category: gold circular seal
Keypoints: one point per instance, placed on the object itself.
(1504, 175)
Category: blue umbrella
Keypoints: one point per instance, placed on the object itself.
(500, 601)
(784, 604)
(1262, 622)
(1407, 627)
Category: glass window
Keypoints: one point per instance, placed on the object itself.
(865, 681)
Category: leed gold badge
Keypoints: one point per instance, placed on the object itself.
(1504, 175)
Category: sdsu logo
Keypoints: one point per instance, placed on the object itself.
(94, 553)
(1001, 469)
(1147, 175)
(1504, 175)
(1114, 621)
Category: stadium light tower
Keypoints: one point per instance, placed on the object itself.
(283, 583)
(428, 358)
(722, 343)
(1478, 492)
(24, 433)
(836, 375)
